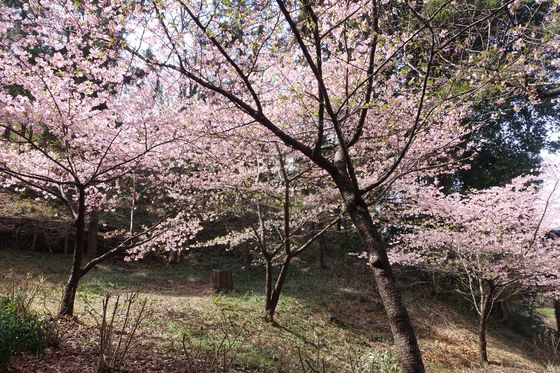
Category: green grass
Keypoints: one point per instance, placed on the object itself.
(23, 206)
(335, 311)
(21, 330)
(307, 313)
(546, 311)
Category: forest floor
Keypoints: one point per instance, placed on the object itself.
(331, 317)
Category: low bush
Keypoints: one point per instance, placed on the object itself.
(118, 324)
(21, 330)
(377, 361)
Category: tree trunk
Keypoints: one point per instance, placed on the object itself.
(557, 313)
(245, 253)
(320, 252)
(132, 207)
(272, 301)
(172, 259)
(34, 241)
(399, 321)
(66, 239)
(67, 303)
(485, 308)
(16, 241)
(267, 288)
(93, 230)
(320, 256)
(69, 296)
(222, 280)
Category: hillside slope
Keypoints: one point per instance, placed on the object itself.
(331, 316)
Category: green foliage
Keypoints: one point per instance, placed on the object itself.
(522, 322)
(509, 144)
(546, 312)
(383, 362)
(21, 330)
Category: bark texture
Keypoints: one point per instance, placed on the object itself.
(93, 230)
(485, 308)
(399, 320)
(404, 337)
(273, 295)
(69, 295)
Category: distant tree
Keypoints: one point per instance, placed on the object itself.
(274, 196)
(493, 241)
(509, 143)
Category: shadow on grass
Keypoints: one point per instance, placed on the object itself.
(340, 301)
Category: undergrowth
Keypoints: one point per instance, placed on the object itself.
(21, 330)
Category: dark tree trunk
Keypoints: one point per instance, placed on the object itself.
(557, 313)
(320, 255)
(485, 308)
(245, 253)
(67, 303)
(267, 288)
(320, 252)
(69, 296)
(16, 241)
(222, 280)
(399, 321)
(174, 257)
(93, 230)
(404, 337)
(34, 241)
(272, 301)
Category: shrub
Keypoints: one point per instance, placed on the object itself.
(383, 362)
(216, 351)
(22, 331)
(118, 325)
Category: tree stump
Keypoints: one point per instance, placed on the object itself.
(222, 281)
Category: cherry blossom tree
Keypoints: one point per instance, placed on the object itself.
(493, 241)
(74, 124)
(273, 195)
(368, 91)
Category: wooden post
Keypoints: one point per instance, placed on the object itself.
(222, 280)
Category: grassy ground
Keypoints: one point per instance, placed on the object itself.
(12, 205)
(334, 312)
